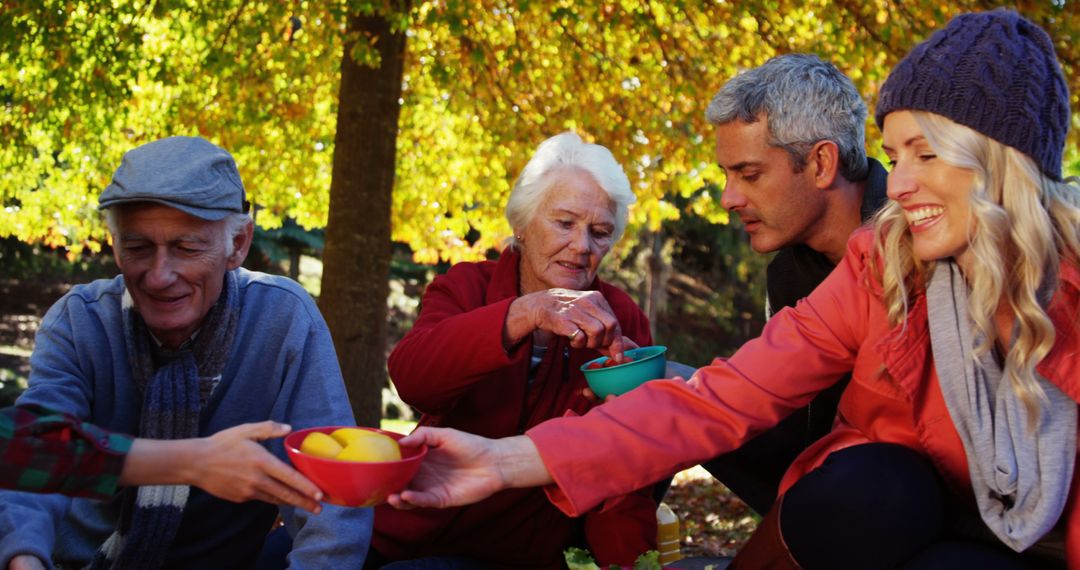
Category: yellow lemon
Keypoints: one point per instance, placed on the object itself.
(345, 436)
(320, 445)
(376, 448)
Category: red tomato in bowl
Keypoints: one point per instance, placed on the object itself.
(609, 362)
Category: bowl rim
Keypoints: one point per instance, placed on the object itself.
(645, 359)
(295, 450)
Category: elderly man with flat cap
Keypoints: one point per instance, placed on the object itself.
(185, 343)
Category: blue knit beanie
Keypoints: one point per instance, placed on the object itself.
(994, 72)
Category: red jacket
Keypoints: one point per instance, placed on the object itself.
(893, 397)
(452, 367)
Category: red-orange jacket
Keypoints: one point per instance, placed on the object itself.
(894, 395)
(452, 367)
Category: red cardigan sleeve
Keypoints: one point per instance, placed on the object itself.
(456, 340)
(668, 425)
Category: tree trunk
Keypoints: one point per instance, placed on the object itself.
(659, 270)
(357, 254)
(294, 263)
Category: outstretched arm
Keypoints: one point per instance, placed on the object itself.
(52, 452)
(45, 451)
(462, 468)
(229, 464)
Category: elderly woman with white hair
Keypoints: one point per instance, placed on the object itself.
(497, 349)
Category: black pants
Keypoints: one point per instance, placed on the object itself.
(880, 505)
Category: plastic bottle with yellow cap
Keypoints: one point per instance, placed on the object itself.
(667, 534)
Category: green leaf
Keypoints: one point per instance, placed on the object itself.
(648, 561)
(579, 559)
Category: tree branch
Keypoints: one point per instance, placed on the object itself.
(232, 22)
(869, 28)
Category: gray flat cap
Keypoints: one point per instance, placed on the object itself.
(190, 174)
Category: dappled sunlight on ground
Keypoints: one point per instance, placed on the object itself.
(22, 304)
(714, 522)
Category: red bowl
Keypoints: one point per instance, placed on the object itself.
(351, 483)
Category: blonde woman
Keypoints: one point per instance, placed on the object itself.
(957, 314)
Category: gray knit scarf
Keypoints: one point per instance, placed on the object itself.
(174, 387)
(1020, 477)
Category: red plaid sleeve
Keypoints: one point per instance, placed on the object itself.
(45, 451)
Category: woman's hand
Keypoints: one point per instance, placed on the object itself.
(619, 357)
(584, 317)
(462, 468)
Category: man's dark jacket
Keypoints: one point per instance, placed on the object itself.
(754, 470)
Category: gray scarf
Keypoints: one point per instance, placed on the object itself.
(175, 385)
(1020, 477)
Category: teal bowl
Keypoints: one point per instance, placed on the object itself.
(649, 364)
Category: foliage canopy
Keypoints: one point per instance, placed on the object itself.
(82, 81)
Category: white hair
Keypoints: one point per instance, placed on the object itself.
(556, 155)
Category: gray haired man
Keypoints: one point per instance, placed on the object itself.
(185, 343)
(790, 135)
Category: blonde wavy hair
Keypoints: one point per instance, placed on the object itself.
(1023, 224)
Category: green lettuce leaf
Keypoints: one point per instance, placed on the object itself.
(579, 559)
(648, 561)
